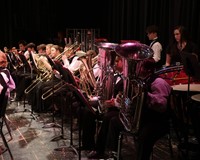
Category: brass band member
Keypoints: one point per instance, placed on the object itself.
(70, 60)
(25, 77)
(41, 49)
(89, 124)
(60, 59)
(37, 104)
(154, 123)
(22, 46)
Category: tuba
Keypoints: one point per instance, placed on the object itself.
(107, 56)
(134, 92)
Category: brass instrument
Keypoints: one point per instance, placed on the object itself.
(40, 78)
(53, 90)
(134, 93)
(44, 73)
(15, 61)
(87, 78)
(10, 61)
(59, 85)
(107, 56)
(72, 48)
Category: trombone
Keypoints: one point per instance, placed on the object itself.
(71, 49)
(53, 90)
(41, 78)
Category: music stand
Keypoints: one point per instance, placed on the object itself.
(191, 66)
(26, 65)
(192, 69)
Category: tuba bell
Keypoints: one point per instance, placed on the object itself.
(134, 92)
(107, 56)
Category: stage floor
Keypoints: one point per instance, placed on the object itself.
(32, 141)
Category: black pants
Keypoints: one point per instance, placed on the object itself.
(103, 133)
(150, 132)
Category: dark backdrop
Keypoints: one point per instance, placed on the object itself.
(39, 20)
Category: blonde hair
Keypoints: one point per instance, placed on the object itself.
(3, 60)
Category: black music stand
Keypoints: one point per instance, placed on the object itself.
(28, 74)
(66, 76)
(191, 66)
(192, 69)
(83, 103)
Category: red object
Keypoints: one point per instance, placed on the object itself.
(126, 41)
(177, 77)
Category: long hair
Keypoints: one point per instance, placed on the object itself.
(184, 33)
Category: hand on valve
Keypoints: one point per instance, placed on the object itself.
(114, 102)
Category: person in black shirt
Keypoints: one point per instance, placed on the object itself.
(89, 119)
(181, 42)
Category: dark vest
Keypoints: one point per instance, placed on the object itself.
(162, 58)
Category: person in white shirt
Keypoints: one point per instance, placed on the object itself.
(156, 46)
(70, 60)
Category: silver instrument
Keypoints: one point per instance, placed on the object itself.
(134, 93)
(107, 56)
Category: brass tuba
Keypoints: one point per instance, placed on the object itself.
(134, 92)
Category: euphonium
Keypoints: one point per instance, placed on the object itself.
(87, 78)
(134, 93)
